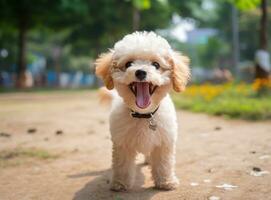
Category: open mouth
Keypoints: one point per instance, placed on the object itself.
(142, 92)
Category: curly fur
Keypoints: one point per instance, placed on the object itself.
(133, 135)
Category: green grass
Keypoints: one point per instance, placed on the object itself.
(14, 157)
(229, 103)
(245, 108)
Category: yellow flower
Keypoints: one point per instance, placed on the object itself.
(261, 84)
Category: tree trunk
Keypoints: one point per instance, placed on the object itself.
(57, 63)
(263, 27)
(260, 72)
(21, 79)
(136, 19)
(235, 39)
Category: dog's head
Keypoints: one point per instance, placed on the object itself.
(143, 68)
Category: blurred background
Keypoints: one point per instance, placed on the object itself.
(52, 44)
(54, 134)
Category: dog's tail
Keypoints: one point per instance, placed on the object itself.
(105, 96)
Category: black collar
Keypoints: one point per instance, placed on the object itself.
(145, 115)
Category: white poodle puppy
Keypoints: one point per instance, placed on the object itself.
(142, 68)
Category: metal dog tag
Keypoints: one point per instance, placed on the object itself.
(152, 124)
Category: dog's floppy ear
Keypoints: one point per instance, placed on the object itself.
(180, 71)
(103, 65)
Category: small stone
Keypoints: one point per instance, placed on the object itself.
(59, 132)
(256, 169)
(211, 170)
(214, 198)
(194, 184)
(259, 173)
(5, 135)
(32, 130)
(226, 186)
(263, 157)
(252, 152)
(217, 128)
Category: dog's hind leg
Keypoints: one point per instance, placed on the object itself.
(163, 169)
(123, 168)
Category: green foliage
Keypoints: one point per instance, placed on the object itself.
(142, 4)
(186, 8)
(249, 18)
(249, 39)
(79, 28)
(245, 4)
(82, 28)
(162, 13)
(8, 41)
(213, 52)
(209, 54)
(27, 12)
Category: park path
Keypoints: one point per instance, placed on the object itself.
(211, 151)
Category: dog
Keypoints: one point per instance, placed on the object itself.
(142, 68)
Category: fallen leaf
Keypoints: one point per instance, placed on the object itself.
(264, 157)
(226, 186)
(259, 173)
(214, 198)
(194, 184)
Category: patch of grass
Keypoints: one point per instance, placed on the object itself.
(118, 198)
(229, 100)
(18, 156)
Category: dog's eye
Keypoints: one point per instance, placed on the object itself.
(128, 64)
(156, 65)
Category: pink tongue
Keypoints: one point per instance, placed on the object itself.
(142, 94)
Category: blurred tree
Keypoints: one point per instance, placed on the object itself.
(262, 55)
(84, 27)
(139, 5)
(109, 20)
(9, 44)
(24, 15)
(245, 4)
(263, 71)
(249, 16)
(213, 53)
(191, 9)
(144, 10)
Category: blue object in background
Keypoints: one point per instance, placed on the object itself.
(51, 78)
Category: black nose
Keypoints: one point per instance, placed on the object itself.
(140, 74)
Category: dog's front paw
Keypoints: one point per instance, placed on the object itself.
(118, 187)
(167, 185)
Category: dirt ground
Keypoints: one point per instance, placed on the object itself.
(73, 128)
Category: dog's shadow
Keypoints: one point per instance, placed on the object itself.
(99, 187)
